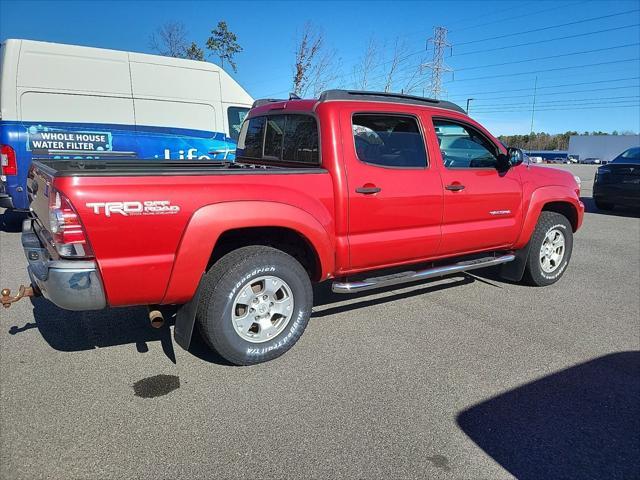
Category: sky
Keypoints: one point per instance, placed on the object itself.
(582, 58)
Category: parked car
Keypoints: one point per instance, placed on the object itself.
(67, 101)
(591, 161)
(560, 160)
(358, 188)
(618, 183)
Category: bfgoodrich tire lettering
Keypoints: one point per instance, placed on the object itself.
(229, 276)
(554, 236)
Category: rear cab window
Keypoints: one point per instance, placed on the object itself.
(280, 139)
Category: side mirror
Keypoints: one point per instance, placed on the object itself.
(515, 155)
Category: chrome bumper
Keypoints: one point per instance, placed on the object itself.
(70, 284)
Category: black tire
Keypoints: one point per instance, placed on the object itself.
(227, 277)
(603, 205)
(534, 273)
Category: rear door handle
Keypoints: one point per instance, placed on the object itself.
(368, 190)
(456, 187)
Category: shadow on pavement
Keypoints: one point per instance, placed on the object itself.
(618, 211)
(69, 331)
(582, 422)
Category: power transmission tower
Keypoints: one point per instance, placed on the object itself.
(437, 65)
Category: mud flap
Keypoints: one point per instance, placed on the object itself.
(514, 271)
(186, 319)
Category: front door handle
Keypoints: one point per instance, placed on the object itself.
(368, 190)
(455, 187)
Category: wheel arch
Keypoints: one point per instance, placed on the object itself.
(554, 199)
(217, 229)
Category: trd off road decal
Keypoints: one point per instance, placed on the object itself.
(148, 207)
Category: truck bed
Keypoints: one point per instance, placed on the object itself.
(116, 167)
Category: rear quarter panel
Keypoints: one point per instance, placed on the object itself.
(136, 253)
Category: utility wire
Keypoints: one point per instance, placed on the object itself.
(599, 100)
(512, 17)
(539, 29)
(550, 57)
(422, 51)
(568, 108)
(552, 93)
(548, 70)
(584, 34)
(549, 86)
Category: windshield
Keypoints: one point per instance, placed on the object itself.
(628, 156)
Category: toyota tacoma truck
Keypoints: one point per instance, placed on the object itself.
(362, 189)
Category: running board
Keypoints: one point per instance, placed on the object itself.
(411, 276)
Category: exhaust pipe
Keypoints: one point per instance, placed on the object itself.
(156, 318)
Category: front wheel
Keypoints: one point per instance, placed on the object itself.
(550, 252)
(255, 304)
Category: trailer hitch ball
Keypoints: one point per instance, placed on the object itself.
(7, 300)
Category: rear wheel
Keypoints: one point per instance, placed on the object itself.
(551, 247)
(255, 304)
(603, 205)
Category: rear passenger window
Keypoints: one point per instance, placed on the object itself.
(280, 138)
(389, 140)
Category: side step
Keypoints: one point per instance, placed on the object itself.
(411, 276)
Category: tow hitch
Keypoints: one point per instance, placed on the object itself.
(6, 299)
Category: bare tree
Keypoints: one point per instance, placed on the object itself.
(324, 73)
(393, 64)
(308, 48)
(368, 62)
(416, 79)
(315, 68)
(170, 40)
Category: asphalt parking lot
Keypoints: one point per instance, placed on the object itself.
(464, 377)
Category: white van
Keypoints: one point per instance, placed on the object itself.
(68, 101)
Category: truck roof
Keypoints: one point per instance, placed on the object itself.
(356, 96)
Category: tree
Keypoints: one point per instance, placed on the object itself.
(169, 40)
(223, 43)
(362, 72)
(394, 63)
(315, 67)
(194, 52)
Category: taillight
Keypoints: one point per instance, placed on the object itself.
(67, 231)
(8, 165)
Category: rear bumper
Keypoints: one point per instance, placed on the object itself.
(70, 284)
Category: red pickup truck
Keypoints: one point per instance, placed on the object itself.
(326, 189)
